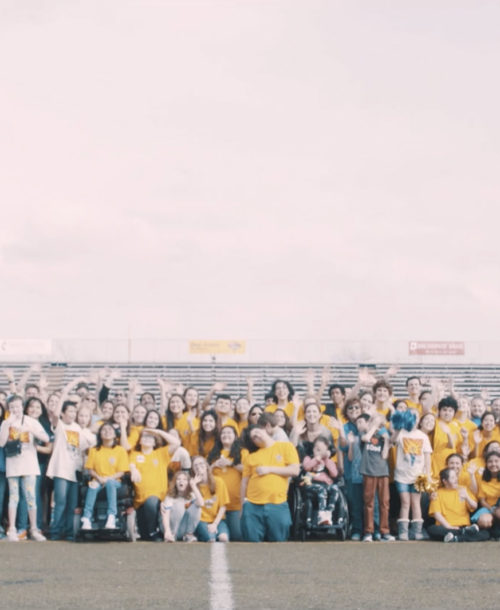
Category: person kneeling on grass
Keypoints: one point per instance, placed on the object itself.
(264, 486)
(451, 509)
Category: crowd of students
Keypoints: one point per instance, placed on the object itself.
(424, 465)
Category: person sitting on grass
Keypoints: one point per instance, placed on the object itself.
(451, 508)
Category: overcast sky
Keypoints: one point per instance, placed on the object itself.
(250, 169)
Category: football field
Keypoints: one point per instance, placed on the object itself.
(237, 575)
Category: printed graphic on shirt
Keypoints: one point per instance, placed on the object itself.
(73, 438)
(412, 447)
(16, 434)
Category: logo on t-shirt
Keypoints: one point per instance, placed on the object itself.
(412, 447)
(73, 438)
(16, 434)
(112, 459)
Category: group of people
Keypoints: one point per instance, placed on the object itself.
(423, 465)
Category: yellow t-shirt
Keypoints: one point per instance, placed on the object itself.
(193, 447)
(288, 409)
(107, 461)
(232, 478)
(269, 488)
(134, 435)
(495, 436)
(451, 507)
(489, 491)
(153, 469)
(440, 446)
(213, 502)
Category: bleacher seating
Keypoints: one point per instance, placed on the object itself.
(468, 379)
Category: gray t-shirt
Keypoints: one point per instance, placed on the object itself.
(372, 462)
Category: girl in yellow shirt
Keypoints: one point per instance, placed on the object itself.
(225, 460)
(106, 463)
(212, 525)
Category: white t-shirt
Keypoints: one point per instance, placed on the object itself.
(410, 450)
(70, 443)
(26, 463)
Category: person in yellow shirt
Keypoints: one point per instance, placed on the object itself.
(447, 436)
(202, 440)
(282, 394)
(488, 515)
(106, 463)
(212, 525)
(148, 472)
(451, 509)
(488, 431)
(264, 487)
(225, 462)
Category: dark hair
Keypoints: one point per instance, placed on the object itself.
(336, 386)
(349, 403)
(160, 423)
(452, 455)
(253, 409)
(99, 437)
(448, 401)
(487, 446)
(288, 424)
(291, 391)
(44, 417)
(222, 397)
(423, 393)
(364, 416)
(412, 378)
(234, 452)
(268, 395)
(485, 414)
(265, 419)
(323, 439)
(487, 474)
(204, 436)
(444, 475)
(68, 403)
(147, 394)
(246, 439)
(169, 414)
(29, 386)
(382, 383)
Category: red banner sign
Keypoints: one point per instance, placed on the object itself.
(437, 348)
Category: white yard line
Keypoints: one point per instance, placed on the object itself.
(221, 594)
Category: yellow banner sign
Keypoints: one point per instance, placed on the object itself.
(217, 347)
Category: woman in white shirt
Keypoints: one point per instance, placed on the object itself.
(22, 466)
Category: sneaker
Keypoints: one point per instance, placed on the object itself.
(367, 538)
(110, 523)
(22, 535)
(450, 537)
(356, 537)
(189, 538)
(86, 524)
(12, 536)
(377, 537)
(324, 518)
(471, 529)
(37, 536)
(388, 538)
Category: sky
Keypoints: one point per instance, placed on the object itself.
(250, 169)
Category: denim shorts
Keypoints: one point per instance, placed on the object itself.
(405, 487)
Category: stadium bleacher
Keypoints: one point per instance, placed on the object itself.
(468, 379)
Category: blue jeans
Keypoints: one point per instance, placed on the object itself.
(3, 486)
(111, 486)
(203, 535)
(233, 523)
(65, 502)
(269, 522)
(354, 492)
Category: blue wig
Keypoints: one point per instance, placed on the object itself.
(404, 420)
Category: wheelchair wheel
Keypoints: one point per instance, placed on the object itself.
(296, 503)
(342, 518)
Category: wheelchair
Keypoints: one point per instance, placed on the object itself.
(125, 518)
(304, 511)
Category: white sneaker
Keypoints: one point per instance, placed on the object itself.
(110, 523)
(86, 525)
(12, 535)
(38, 536)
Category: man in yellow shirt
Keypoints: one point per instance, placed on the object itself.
(264, 487)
